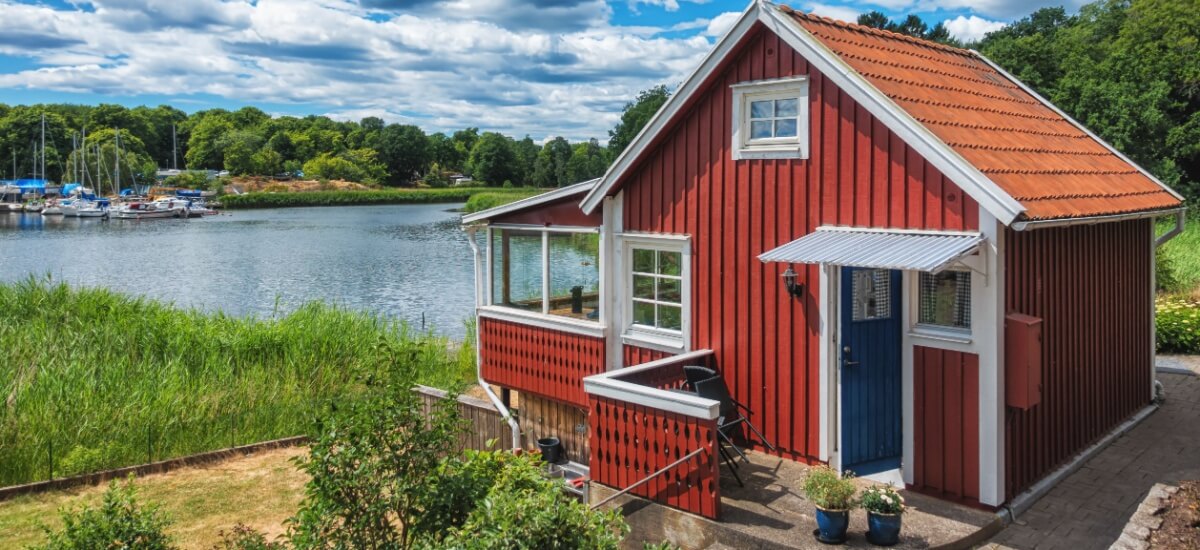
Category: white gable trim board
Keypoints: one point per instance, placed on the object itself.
(973, 182)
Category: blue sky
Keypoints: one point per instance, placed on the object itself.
(536, 67)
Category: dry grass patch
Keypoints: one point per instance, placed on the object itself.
(261, 490)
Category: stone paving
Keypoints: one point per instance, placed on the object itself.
(1089, 509)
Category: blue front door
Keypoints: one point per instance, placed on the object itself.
(870, 370)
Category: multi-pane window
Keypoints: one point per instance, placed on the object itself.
(657, 292)
(542, 271)
(872, 294)
(945, 300)
(774, 118)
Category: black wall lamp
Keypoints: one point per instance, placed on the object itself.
(789, 282)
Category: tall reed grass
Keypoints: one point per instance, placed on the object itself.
(92, 379)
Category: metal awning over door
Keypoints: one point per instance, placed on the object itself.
(932, 252)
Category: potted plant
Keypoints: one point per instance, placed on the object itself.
(884, 507)
(833, 496)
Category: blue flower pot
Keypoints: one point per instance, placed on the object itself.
(832, 525)
(883, 529)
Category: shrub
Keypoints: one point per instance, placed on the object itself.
(524, 509)
(828, 490)
(119, 523)
(243, 537)
(882, 499)
(1177, 322)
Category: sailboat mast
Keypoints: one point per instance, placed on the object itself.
(174, 148)
(117, 156)
(44, 147)
(83, 161)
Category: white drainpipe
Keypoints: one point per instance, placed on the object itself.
(512, 422)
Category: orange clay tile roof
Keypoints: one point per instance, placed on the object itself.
(1041, 159)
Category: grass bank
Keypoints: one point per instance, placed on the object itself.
(261, 490)
(492, 199)
(93, 380)
(1179, 258)
(350, 198)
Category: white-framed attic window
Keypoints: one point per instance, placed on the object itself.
(770, 119)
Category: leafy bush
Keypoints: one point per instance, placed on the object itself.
(188, 180)
(825, 488)
(119, 523)
(492, 199)
(246, 538)
(524, 509)
(1177, 321)
(882, 499)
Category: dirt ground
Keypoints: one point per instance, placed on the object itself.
(260, 490)
(1181, 521)
(256, 184)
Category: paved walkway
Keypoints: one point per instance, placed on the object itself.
(1090, 508)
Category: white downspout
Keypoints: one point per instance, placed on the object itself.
(504, 412)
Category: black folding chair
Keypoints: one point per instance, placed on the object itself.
(729, 421)
(695, 373)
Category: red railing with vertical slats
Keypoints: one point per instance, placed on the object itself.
(631, 441)
(546, 362)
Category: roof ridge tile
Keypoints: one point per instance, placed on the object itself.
(942, 60)
(864, 29)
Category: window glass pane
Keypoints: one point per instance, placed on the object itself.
(643, 287)
(575, 275)
(871, 294)
(643, 260)
(760, 129)
(668, 291)
(761, 109)
(517, 269)
(670, 317)
(668, 263)
(785, 127)
(643, 313)
(946, 299)
(786, 107)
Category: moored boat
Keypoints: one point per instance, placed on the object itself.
(163, 208)
(52, 208)
(33, 206)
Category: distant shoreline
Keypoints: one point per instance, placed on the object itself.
(370, 197)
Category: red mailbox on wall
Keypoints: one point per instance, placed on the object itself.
(1023, 360)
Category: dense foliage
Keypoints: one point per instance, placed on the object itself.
(1178, 261)
(383, 474)
(96, 380)
(911, 25)
(119, 523)
(1177, 320)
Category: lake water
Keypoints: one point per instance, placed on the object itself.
(404, 261)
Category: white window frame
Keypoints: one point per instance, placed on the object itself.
(544, 318)
(773, 148)
(640, 335)
(940, 332)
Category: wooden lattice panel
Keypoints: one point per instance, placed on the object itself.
(541, 361)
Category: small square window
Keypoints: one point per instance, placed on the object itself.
(945, 300)
(657, 298)
(872, 294)
(770, 119)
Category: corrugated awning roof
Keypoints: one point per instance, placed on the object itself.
(931, 252)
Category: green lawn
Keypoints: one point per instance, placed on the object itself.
(1182, 258)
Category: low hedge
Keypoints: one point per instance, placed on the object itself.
(1178, 324)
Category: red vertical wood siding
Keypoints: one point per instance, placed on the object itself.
(946, 423)
(1091, 286)
(546, 362)
(629, 442)
(634, 355)
(859, 174)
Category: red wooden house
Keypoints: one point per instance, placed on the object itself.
(901, 259)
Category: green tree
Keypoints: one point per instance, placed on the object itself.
(551, 167)
(588, 161)
(404, 151)
(492, 159)
(205, 139)
(238, 148)
(875, 18)
(634, 117)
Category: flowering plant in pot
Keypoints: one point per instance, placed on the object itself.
(884, 507)
(834, 497)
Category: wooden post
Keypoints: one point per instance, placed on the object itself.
(506, 261)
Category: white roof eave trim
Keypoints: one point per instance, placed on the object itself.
(549, 196)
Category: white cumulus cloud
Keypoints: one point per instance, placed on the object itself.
(841, 13)
(970, 29)
(721, 23)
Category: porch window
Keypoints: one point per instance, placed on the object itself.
(945, 300)
(657, 297)
(546, 271)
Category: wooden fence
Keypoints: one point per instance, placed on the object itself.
(484, 421)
